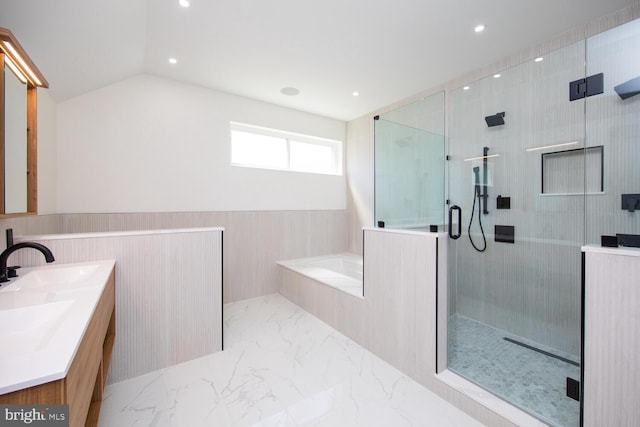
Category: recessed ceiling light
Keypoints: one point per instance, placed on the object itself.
(466, 88)
(173, 61)
(355, 93)
(479, 28)
(184, 3)
(496, 76)
(539, 59)
(290, 91)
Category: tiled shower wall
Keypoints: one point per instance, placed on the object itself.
(253, 241)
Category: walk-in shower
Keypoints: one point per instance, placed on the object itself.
(515, 309)
(532, 193)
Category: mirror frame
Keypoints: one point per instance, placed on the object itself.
(32, 122)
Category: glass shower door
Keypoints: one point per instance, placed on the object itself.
(516, 169)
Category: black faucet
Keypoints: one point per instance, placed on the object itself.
(4, 256)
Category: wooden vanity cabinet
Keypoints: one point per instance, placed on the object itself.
(82, 388)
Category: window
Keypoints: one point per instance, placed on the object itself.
(258, 147)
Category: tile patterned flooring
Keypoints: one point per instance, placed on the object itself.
(532, 381)
(281, 367)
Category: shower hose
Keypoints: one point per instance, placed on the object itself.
(484, 240)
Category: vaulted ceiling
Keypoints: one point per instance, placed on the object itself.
(385, 50)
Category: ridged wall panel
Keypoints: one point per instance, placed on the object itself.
(612, 341)
(168, 294)
(254, 240)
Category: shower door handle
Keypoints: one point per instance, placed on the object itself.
(459, 233)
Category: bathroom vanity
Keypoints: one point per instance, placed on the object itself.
(57, 334)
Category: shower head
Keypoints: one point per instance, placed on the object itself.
(495, 120)
(628, 89)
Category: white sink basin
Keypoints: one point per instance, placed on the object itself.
(30, 328)
(43, 315)
(54, 278)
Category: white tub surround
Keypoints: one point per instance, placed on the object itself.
(611, 339)
(169, 299)
(340, 271)
(44, 313)
(342, 310)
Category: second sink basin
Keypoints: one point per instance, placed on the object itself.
(53, 278)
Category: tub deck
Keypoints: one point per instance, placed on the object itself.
(340, 271)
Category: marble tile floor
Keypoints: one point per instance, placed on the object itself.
(281, 367)
(530, 380)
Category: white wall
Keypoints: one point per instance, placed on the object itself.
(148, 144)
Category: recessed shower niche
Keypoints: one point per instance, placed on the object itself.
(573, 171)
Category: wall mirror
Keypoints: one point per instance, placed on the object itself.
(18, 128)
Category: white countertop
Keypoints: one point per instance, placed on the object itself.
(115, 233)
(44, 313)
(621, 250)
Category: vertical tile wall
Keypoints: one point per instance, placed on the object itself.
(612, 342)
(253, 241)
(168, 293)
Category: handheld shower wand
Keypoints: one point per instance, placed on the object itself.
(476, 173)
(477, 194)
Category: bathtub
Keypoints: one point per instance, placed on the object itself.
(341, 271)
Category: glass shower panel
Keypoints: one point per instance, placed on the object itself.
(409, 176)
(514, 325)
(409, 165)
(614, 123)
